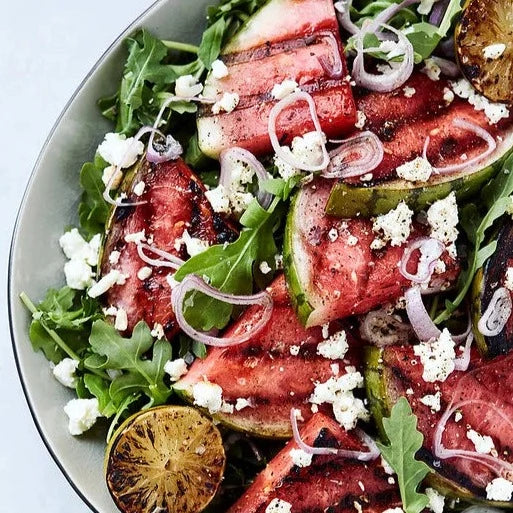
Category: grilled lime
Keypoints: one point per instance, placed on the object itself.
(168, 459)
(484, 45)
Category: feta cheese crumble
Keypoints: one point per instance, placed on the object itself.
(64, 372)
(437, 356)
(409, 91)
(278, 506)
(112, 278)
(82, 414)
(482, 443)
(442, 217)
(119, 151)
(431, 69)
(114, 257)
(280, 91)
(432, 401)
(121, 321)
(139, 188)
(416, 170)
(219, 69)
(294, 350)
(144, 273)
(393, 227)
(227, 103)
(107, 176)
(494, 51)
(187, 86)
(335, 347)
(175, 369)
(448, 96)
(136, 237)
(300, 458)
(264, 267)
(158, 331)
(499, 489)
(79, 274)
(241, 403)
(208, 395)
(361, 118)
(436, 500)
(193, 245)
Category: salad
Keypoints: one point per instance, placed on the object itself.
(289, 288)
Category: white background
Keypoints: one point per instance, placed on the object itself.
(46, 49)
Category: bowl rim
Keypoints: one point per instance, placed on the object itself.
(114, 45)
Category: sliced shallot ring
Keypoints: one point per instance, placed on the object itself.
(335, 69)
(498, 313)
(169, 260)
(277, 109)
(471, 127)
(370, 157)
(245, 156)
(343, 8)
(462, 362)
(430, 251)
(502, 468)
(422, 325)
(195, 283)
(370, 455)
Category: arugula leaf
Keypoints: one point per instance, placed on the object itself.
(496, 198)
(230, 268)
(140, 374)
(99, 387)
(404, 442)
(211, 42)
(282, 188)
(93, 210)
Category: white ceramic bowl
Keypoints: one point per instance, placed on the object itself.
(36, 261)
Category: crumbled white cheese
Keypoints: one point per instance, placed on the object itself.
(64, 372)
(352, 240)
(442, 217)
(409, 91)
(333, 235)
(75, 247)
(175, 369)
(219, 69)
(227, 103)
(121, 322)
(494, 51)
(113, 173)
(458, 416)
(395, 226)
(392, 49)
(300, 458)
(335, 347)
(436, 500)
(187, 86)
(144, 273)
(280, 91)
(110, 311)
(119, 151)
(448, 96)
(158, 331)
(82, 414)
(306, 149)
(241, 403)
(78, 273)
(208, 395)
(416, 170)
(499, 489)
(114, 257)
(508, 278)
(493, 111)
(136, 237)
(139, 188)
(432, 400)
(278, 506)
(483, 443)
(361, 118)
(437, 356)
(112, 278)
(264, 267)
(193, 245)
(431, 69)
(425, 6)
(219, 199)
(294, 350)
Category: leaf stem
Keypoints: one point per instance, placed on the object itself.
(182, 47)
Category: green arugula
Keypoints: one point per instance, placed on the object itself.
(477, 222)
(404, 442)
(229, 268)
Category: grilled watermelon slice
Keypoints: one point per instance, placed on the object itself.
(394, 372)
(175, 201)
(403, 124)
(328, 484)
(332, 279)
(283, 40)
(264, 371)
(486, 282)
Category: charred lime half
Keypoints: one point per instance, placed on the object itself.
(169, 459)
(484, 45)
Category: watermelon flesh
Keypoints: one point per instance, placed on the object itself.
(403, 124)
(284, 40)
(265, 372)
(175, 201)
(489, 382)
(338, 278)
(328, 484)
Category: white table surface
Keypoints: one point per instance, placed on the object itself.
(46, 49)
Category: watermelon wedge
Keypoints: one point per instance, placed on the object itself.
(275, 371)
(333, 278)
(286, 39)
(396, 371)
(403, 123)
(328, 484)
(175, 201)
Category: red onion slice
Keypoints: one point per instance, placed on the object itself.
(448, 68)
(500, 467)
(370, 455)
(335, 69)
(471, 127)
(422, 325)
(497, 313)
(169, 260)
(383, 329)
(369, 151)
(395, 77)
(277, 109)
(430, 251)
(389, 13)
(195, 283)
(343, 8)
(462, 362)
(437, 12)
(240, 154)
